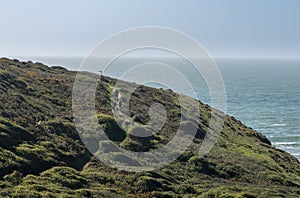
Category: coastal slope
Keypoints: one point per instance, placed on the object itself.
(42, 154)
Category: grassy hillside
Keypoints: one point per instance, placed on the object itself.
(41, 154)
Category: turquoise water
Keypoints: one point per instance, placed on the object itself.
(263, 93)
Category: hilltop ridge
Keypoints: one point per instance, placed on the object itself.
(42, 154)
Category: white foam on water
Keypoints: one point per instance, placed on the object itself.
(277, 125)
(284, 143)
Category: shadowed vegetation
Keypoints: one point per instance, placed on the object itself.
(41, 153)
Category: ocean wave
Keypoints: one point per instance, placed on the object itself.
(277, 125)
(285, 143)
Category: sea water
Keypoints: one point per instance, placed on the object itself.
(265, 95)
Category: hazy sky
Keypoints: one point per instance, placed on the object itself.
(264, 28)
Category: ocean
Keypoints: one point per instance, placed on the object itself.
(263, 93)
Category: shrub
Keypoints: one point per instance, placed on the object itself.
(65, 176)
(163, 194)
(111, 128)
(9, 161)
(185, 189)
(14, 178)
(132, 145)
(13, 132)
(34, 152)
(62, 127)
(146, 183)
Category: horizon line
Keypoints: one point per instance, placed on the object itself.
(140, 56)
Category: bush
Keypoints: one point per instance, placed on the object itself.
(111, 128)
(14, 178)
(12, 134)
(62, 127)
(163, 194)
(9, 162)
(34, 152)
(146, 183)
(132, 145)
(185, 189)
(65, 176)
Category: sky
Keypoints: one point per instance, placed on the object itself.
(226, 28)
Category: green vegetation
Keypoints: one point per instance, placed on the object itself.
(41, 154)
(111, 128)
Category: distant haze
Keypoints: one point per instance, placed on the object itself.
(231, 28)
